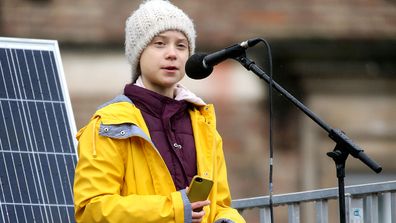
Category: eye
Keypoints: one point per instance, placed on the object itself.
(159, 43)
(182, 46)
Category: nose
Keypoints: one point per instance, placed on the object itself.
(171, 53)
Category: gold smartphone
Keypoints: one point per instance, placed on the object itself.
(199, 189)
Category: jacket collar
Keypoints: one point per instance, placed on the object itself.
(154, 103)
(181, 93)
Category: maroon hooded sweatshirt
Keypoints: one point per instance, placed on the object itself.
(170, 129)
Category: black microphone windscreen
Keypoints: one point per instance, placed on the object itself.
(195, 68)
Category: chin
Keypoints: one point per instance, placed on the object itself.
(170, 81)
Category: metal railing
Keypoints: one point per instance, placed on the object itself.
(368, 203)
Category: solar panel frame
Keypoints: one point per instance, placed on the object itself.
(42, 198)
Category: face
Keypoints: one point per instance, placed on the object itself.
(162, 62)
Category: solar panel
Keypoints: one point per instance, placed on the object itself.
(37, 145)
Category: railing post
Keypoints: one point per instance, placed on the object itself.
(385, 205)
(393, 207)
(347, 207)
(356, 210)
(294, 213)
(265, 215)
(371, 208)
(322, 212)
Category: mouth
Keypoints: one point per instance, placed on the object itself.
(170, 68)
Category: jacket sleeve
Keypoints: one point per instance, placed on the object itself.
(98, 184)
(225, 213)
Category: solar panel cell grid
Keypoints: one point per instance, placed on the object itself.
(37, 149)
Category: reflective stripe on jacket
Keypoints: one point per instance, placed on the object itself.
(121, 177)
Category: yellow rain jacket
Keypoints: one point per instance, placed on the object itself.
(121, 177)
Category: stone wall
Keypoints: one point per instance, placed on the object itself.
(217, 22)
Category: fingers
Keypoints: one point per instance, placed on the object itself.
(199, 204)
(197, 216)
(198, 213)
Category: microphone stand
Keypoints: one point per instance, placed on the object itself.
(344, 145)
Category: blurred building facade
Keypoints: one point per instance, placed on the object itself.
(337, 57)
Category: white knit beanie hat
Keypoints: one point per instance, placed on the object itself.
(150, 19)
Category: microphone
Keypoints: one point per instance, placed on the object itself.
(200, 65)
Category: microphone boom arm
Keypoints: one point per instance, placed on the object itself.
(336, 135)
